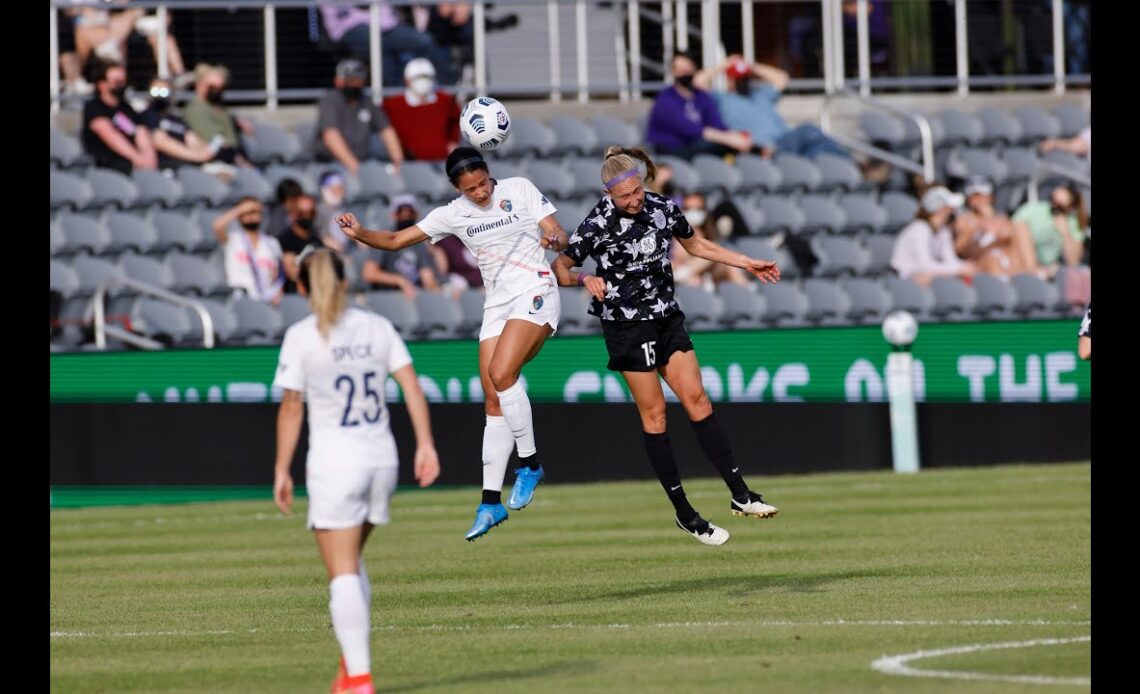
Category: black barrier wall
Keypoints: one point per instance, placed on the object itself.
(224, 444)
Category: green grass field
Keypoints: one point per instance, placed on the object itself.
(593, 589)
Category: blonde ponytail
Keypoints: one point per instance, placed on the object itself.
(327, 294)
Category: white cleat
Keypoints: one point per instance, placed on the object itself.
(754, 507)
(704, 531)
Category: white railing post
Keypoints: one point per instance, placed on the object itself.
(53, 49)
(962, 47)
(682, 25)
(864, 41)
(583, 47)
(479, 17)
(837, 35)
(1058, 47)
(748, 37)
(375, 57)
(710, 34)
(270, 57)
(667, 29)
(634, 15)
(828, 47)
(163, 48)
(553, 36)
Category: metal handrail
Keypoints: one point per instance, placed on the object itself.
(102, 329)
(926, 166)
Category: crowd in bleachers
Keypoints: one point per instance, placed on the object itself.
(203, 203)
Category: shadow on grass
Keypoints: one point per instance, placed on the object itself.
(730, 586)
(559, 669)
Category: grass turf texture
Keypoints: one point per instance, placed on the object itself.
(593, 589)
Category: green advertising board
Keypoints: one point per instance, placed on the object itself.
(1026, 361)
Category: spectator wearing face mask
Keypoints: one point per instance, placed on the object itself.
(333, 190)
(346, 120)
(252, 259)
(114, 134)
(176, 143)
(207, 116)
(426, 119)
(700, 272)
(685, 121)
(288, 192)
(300, 234)
(408, 269)
(1057, 226)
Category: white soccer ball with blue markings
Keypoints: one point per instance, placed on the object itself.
(900, 328)
(485, 123)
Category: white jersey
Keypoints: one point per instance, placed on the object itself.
(343, 381)
(503, 236)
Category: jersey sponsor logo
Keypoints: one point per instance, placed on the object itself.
(648, 244)
(506, 205)
(350, 352)
(480, 228)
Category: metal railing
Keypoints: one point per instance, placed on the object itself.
(103, 329)
(1047, 167)
(925, 166)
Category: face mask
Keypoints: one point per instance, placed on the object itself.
(119, 92)
(352, 93)
(743, 87)
(423, 86)
(685, 81)
(695, 218)
(405, 223)
(214, 96)
(331, 199)
(160, 104)
(251, 225)
(1057, 209)
(305, 223)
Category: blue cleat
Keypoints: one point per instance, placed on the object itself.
(523, 491)
(487, 516)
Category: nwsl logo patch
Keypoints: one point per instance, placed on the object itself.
(537, 303)
(506, 205)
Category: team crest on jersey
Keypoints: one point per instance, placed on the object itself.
(648, 244)
(537, 303)
(506, 205)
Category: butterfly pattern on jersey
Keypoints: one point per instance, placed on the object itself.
(632, 253)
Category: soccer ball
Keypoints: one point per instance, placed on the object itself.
(485, 123)
(900, 328)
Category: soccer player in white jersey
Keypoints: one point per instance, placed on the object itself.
(506, 225)
(338, 360)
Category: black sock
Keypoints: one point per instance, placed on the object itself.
(490, 496)
(665, 465)
(715, 445)
(530, 462)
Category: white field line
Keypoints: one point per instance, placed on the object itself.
(897, 664)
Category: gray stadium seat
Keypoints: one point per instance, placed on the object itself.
(423, 178)
(781, 214)
(306, 132)
(130, 233)
(827, 302)
(552, 179)
(840, 173)
(1020, 163)
(864, 215)
(294, 307)
(908, 296)
(226, 328)
(1001, 127)
(884, 128)
(156, 187)
(702, 310)
(471, 307)
(575, 320)
(870, 303)
(162, 321)
(953, 300)
(528, 136)
(1037, 123)
(959, 127)
(787, 305)
(570, 214)
(503, 169)
(112, 188)
(258, 322)
(685, 177)
(148, 270)
(1036, 298)
(881, 249)
(840, 256)
(715, 174)
(758, 173)
(439, 316)
(799, 173)
(1067, 160)
(393, 306)
(996, 297)
(198, 185)
(63, 279)
(66, 151)
(376, 182)
(67, 190)
(1072, 117)
(821, 214)
(573, 135)
(587, 175)
(762, 249)
(92, 272)
(900, 208)
(743, 307)
(251, 182)
(194, 275)
(983, 162)
(83, 233)
(271, 144)
(275, 173)
(614, 131)
(176, 231)
(56, 240)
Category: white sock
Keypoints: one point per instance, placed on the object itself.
(350, 622)
(365, 586)
(498, 442)
(516, 410)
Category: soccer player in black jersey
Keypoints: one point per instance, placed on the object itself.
(628, 234)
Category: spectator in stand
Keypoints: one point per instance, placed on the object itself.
(207, 117)
(426, 119)
(333, 187)
(114, 133)
(408, 269)
(456, 265)
(1080, 144)
(253, 259)
(176, 143)
(996, 244)
(1057, 226)
(924, 248)
(700, 272)
(300, 234)
(288, 192)
(685, 121)
(105, 32)
(349, 26)
(346, 121)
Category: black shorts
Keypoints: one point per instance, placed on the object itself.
(645, 345)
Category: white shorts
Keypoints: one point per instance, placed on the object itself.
(345, 496)
(541, 306)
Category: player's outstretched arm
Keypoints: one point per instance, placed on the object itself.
(553, 235)
(289, 417)
(763, 270)
(426, 459)
(384, 240)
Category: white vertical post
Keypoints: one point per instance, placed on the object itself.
(962, 47)
(270, 58)
(837, 36)
(53, 48)
(710, 34)
(375, 57)
(553, 39)
(479, 17)
(634, 15)
(682, 25)
(749, 35)
(620, 53)
(1058, 47)
(667, 29)
(583, 57)
(163, 48)
(904, 425)
(828, 47)
(864, 40)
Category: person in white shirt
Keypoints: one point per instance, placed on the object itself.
(506, 225)
(338, 360)
(252, 259)
(924, 248)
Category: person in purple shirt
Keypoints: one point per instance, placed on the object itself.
(685, 121)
